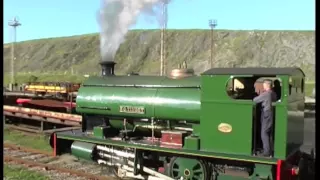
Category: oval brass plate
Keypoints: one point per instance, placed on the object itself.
(225, 128)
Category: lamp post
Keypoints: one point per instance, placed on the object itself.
(162, 38)
(212, 24)
(14, 24)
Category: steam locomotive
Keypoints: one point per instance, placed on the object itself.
(189, 127)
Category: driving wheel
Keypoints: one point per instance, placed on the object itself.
(188, 169)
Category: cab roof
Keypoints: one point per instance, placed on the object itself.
(254, 71)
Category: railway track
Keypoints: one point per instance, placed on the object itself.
(55, 167)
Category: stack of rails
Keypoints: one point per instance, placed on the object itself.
(28, 119)
(39, 107)
(47, 104)
(26, 112)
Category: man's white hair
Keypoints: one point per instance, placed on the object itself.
(268, 81)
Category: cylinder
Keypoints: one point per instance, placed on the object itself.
(83, 150)
(141, 128)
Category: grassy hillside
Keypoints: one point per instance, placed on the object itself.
(141, 52)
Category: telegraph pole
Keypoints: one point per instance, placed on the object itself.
(212, 24)
(162, 43)
(14, 24)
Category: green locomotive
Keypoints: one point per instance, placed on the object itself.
(188, 127)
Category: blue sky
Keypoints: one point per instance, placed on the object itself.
(43, 19)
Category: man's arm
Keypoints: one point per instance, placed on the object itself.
(259, 98)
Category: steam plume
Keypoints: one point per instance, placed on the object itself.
(116, 17)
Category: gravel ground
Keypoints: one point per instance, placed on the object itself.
(65, 161)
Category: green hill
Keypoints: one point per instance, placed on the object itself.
(141, 51)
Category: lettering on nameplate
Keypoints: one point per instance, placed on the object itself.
(132, 109)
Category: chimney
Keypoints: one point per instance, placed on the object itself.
(107, 68)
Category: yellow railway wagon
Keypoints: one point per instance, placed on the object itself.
(52, 87)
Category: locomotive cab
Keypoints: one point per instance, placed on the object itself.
(228, 108)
